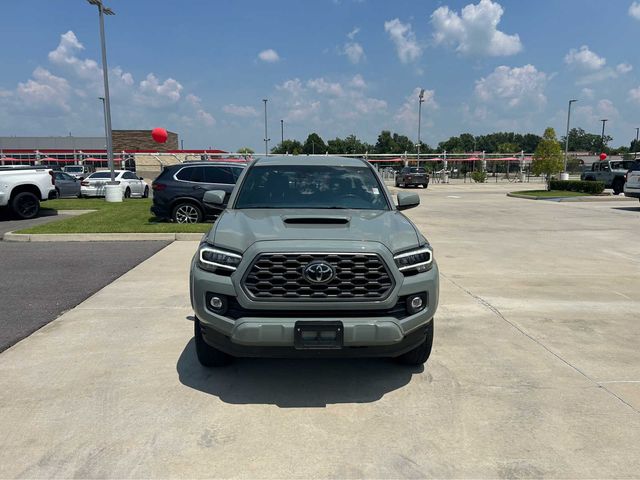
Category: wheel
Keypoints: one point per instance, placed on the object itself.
(618, 186)
(25, 205)
(127, 193)
(186, 213)
(57, 193)
(420, 354)
(397, 183)
(146, 192)
(208, 356)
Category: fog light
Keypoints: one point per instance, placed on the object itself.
(416, 303)
(216, 303)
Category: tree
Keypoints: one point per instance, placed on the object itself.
(385, 143)
(548, 157)
(293, 147)
(245, 150)
(508, 147)
(314, 144)
(581, 141)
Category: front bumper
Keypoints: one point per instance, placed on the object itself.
(631, 192)
(370, 326)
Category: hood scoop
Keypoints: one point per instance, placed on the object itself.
(315, 220)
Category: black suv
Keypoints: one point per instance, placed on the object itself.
(412, 176)
(179, 189)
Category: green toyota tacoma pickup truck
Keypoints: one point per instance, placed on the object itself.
(312, 258)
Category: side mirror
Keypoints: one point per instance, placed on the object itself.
(140, 178)
(408, 200)
(214, 197)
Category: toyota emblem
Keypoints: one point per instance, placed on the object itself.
(319, 272)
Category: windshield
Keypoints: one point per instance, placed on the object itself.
(311, 186)
(624, 165)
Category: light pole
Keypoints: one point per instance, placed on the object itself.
(604, 120)
(266, 138)
(635, 150)
(104, 112)
(420, 100)
(566, 141)
(281, 132)
(102, 11)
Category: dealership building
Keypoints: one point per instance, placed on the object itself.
(132, 150)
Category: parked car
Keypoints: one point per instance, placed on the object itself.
(611, 172)
(132, 186)
(632, 185)
(23, 188)
(312, 258)
(66, 185)
(412, 177)
(78, 171)
(178, 191)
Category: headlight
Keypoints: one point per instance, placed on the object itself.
(415, 261)
(218, 261)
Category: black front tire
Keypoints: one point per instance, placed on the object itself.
(618, 186)
(146, 192)
(25, 205)
(186, 212)
(127, 193)
(419, 355)
(208, 356)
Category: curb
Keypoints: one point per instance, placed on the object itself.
(586, 198)
(101, 237)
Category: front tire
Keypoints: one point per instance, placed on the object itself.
(127, 193)
(146, 192)
(186, 213)
(25, 205)
(208, 356)
(618, 186)
(419, 355)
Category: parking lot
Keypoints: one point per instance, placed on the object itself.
(535, 370)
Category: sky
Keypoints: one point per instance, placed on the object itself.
(201, 68)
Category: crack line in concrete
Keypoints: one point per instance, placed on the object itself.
(499, 314)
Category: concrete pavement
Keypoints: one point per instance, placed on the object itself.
(534, 373)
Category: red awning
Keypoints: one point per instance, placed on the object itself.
(374, 160)
(11, 159)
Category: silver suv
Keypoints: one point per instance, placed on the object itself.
(312, 258)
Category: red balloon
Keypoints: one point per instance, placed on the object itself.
(603, 156)
(160, 135)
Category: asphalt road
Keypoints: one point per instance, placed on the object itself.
(9, 224)
(40, 281)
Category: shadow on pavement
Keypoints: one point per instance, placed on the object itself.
(628, 209)
(291, 383)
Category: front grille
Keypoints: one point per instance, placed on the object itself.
(235, 311)
(279, 276)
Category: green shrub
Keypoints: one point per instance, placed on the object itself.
(594, 188)
(479, 177)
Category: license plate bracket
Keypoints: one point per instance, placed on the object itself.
(318, 335)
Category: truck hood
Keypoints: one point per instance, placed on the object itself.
(237, 230)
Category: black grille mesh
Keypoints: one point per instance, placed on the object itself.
(279, 276)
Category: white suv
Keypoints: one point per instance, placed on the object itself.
(632, 185)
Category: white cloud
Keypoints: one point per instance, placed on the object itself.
(584, 59)
(64, 55)
(634, 10)
(404, 38)
(598, 76)
(513, 87)
(354, 52)
(634, 95)
(269, 56)
(44, 92)
(587, 93)
(320, 85)
(293, 86)
(358, 82)
(407, 114)
(152, 93)
(623, 68)
(475, 30)
(592, 114)
(352, 34)
(240, 110)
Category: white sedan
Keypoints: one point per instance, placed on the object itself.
(132, 186)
